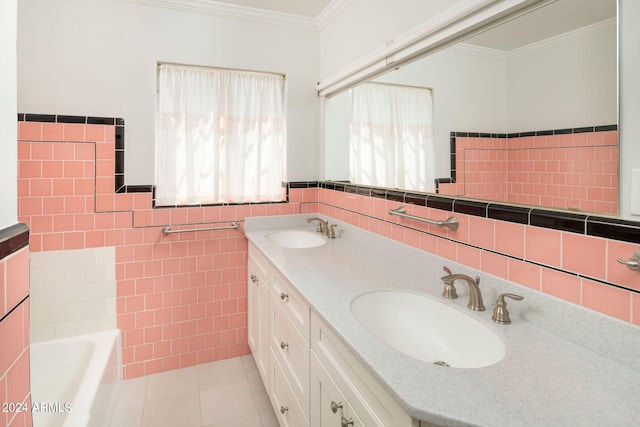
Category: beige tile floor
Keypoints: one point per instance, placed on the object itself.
(226, 393)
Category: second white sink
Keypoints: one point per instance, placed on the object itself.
(428, 330)
(296, 239)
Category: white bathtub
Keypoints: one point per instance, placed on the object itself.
(74, 381)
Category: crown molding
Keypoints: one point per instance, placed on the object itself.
(216, 8)
(332, 10)
(577, 34)
(483, 52)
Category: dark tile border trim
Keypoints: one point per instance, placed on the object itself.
(579, 223)
(119, 158)
(13, 238)
(90, 120)
(612, 228)
(8, 313)
(61, 118)
(454, 135)
(285, 185)
(120, 186)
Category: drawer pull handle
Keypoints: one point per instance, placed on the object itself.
(283, 409)
(254, 278)
(346, 422)
(335, 406)
(283, 345)
(284, 296)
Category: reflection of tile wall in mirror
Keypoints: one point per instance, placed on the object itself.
(575, 170)
(554, 68)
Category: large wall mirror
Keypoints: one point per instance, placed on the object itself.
(523, 113)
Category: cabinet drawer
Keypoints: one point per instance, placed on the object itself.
(283, 398)
(291, 303)
(292, 352)
(259, 260)
(365, 395)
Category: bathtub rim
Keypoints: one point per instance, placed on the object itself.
(105, 343)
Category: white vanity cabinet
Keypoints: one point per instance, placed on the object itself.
(258, 310)
(339, 379)
(311, 377)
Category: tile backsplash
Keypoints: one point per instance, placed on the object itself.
(555, 257)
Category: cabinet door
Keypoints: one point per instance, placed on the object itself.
(258, 317)
(253, 309)
(265, 330)
(329, 407)
(283, 399)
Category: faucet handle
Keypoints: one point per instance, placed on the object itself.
(449, 290)
(331, 233)
(500, 314)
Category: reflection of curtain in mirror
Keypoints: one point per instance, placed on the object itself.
(221, 136)
(391, 137)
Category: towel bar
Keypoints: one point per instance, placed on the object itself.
(167, 229)
(451, 222)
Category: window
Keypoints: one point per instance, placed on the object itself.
(391, 137)
(221, 136)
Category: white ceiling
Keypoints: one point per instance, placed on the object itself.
(308, 8)
(557, 18)
(549, 21)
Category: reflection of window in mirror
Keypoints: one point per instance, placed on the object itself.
(391, 136)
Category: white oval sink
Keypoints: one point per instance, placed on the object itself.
(428, 330)
(296, 239)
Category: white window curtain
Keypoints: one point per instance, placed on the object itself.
(221, 136)
(391, 137)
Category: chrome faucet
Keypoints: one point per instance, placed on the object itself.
(324, 227)
(475, 296)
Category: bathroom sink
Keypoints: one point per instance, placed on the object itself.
(296, 239)
(428, 330)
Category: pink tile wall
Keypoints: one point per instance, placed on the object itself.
(573, 171)
(577, 268)
(181, 299)
(14, 337)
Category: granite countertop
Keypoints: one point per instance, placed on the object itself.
(564, 365)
